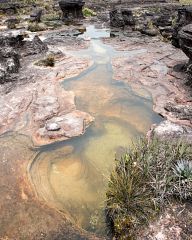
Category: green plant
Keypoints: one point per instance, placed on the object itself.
(51, 17)
(49, 61)
(36, 27)
(186, 2)
(145, 179)
(87, 12)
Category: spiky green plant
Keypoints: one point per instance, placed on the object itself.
(145, 179)
(87, 12)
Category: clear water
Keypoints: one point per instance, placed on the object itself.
(72, 175)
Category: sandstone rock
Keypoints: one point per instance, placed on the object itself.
(183, 112)
(9, 58)
(169, 130)
(150, 32)
(11, 23)
(36, 15)
(35, 46)
(72, 9)
(184, 18)
(64, 127)
(13, 39)
(185, 38)
(52, 127)
(121, 18)
(149, 21)
(9, 7)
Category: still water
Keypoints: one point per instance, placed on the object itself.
(73, 175)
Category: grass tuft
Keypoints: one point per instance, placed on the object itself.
(87, 12)
(145, 179)
(49, 61)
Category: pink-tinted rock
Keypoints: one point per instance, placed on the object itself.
(69, 125)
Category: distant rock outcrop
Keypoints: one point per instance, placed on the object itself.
(146, 19)
(12, 48)
(9, 58)
(35, 16)
(72, 9)
(121, 18)
(185, 41)
(184, 18)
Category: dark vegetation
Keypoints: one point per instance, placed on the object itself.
(146, 179)
(49, 61)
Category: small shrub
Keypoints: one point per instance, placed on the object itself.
(36, 27)
(88, 12)
(188, 2)
(51, 17)
(49, 61)
(145, 179)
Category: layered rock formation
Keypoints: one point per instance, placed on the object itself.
(72, 9)
(185, 41)
(9, 58)
(148, 20)
(184, 18)
(36, 15)
(185, 38)
(13, 47)
(121, 18)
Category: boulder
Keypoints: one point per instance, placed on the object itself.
(11, 23)
(9, 7)
(185, 43)
(9, 63)
(64, 127)
(185, 40)
(14, 39)
(36, 15)
(72, 9)
(183, 112)
(121, 18)
(35, 46)
(169, 130)
(184, 18)
(9, 58)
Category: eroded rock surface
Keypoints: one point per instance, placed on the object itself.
(29, 109)
(155, 65)
(72, 9)
(184, 18)
(149, 20)
(9, 57)
(185, 39)
(121, 18)
(170, 130)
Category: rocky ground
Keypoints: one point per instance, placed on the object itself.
(33, 103)
(159, 70)
(37, 104)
